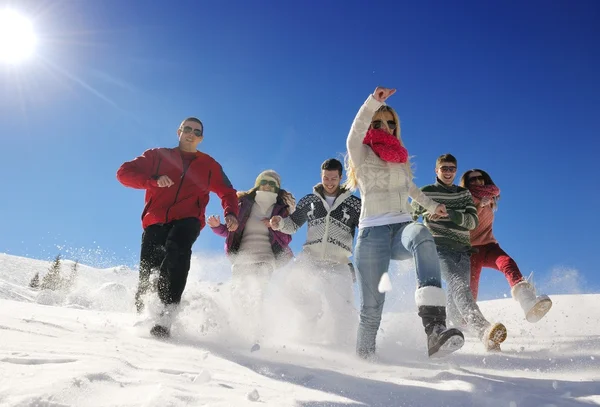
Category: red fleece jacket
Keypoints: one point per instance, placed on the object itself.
(189, 195)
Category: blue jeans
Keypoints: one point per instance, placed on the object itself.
(461, 308)
(375, 247)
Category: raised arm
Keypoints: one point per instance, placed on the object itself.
(362, 121)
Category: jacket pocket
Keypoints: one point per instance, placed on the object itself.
(146, 208)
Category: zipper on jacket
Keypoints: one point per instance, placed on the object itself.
(336, 203)
(327, 223)
(178, 189)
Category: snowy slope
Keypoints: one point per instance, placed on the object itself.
(89, 349)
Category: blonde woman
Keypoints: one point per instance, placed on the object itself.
(378, 166)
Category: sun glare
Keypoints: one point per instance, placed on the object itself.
(17, 38)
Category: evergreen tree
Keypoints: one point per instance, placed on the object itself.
(52, 279)
(35, 282)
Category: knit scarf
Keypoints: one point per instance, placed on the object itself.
(484, 191)
(265, 199)
(386, 146)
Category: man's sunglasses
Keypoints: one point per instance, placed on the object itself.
(446, 168)
(377, 124)
(477, 178)
(188, 129)
(269, 183)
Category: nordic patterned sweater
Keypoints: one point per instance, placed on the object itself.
(330, 231)
(452, 231)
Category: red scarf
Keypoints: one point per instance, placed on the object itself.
(386, 146)
(484, 191)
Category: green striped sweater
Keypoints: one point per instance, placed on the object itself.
(452, 231)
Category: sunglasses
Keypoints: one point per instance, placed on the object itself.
(477, 178)
(269, 183)
(446, 168)
(377, 124)
(188, 129)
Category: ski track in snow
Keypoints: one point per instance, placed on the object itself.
(95, 355)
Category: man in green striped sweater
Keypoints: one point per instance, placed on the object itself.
(452, 238)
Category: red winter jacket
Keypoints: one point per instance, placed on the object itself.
(189, 195)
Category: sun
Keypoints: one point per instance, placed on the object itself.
(17, 37)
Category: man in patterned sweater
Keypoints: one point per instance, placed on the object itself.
(320, 282)
(453, 241)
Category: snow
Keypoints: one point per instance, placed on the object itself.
(88, 348)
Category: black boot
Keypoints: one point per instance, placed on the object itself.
(441, 341)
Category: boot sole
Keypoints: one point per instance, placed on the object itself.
(539, 310)
(497, 334)
(454, 341)
(160, 332)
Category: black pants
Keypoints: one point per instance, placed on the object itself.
(168, 248)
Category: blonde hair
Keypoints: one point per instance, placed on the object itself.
(351, 178)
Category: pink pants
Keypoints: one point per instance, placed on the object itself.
(492, 256)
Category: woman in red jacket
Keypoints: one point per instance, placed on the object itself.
(177, 183)
(490, 254)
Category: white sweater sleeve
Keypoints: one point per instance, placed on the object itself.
(358, 131)
(419, 196)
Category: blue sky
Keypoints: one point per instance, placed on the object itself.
(508, 87)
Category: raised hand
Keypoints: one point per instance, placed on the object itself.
(164, 181)
(381, 94)
(213, 221)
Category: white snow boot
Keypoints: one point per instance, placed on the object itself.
(164, 320)
(534, 307)
(493, 336)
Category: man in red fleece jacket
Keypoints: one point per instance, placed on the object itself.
(177, 183)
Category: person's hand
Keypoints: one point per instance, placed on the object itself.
(275, 222)
(435, 217)
(164, 181)
(213, 221)
(485, 201)
(440, 210)
(381, 94)
(231, 222)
